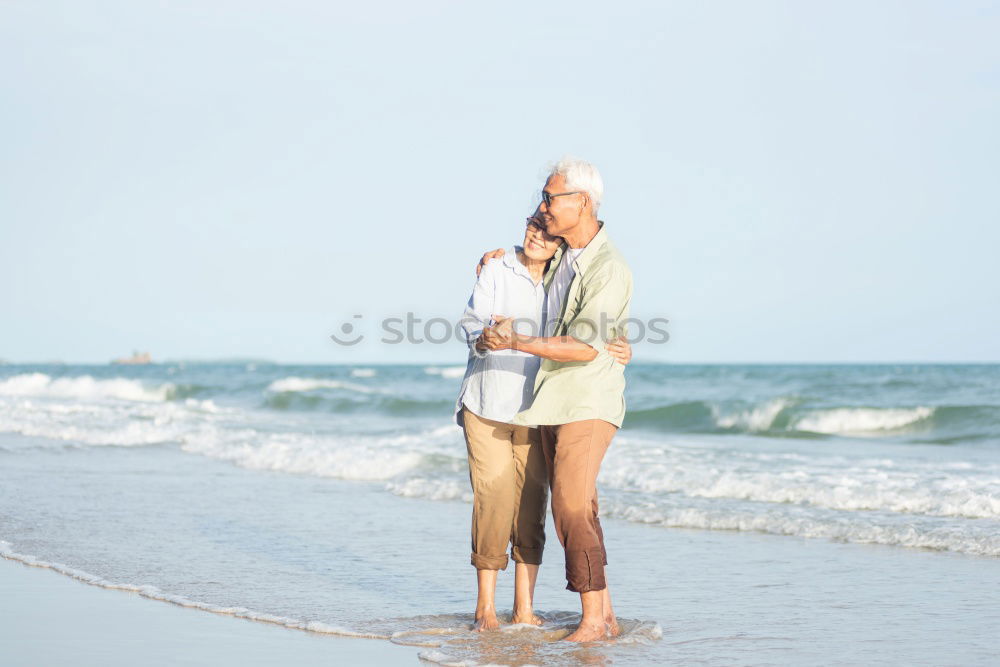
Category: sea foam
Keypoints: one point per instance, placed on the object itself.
(861, 421)
(961, 539)
(446, 371)
(296, 384)
(83, 388)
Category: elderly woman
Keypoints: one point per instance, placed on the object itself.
(506, 462)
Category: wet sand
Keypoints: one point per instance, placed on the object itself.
(47, 618)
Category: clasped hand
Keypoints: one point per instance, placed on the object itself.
(500, 336)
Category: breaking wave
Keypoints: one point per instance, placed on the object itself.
(788, 417)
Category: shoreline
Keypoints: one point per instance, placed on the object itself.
(67, 620)
(153, 593)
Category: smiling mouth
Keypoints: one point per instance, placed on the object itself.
(536, 244)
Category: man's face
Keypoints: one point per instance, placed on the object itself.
(564, 212)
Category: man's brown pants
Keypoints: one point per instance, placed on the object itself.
(509, 486)
(573, 453)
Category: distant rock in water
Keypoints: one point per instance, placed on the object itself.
(137, 359)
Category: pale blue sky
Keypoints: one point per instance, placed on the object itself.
(791, 181)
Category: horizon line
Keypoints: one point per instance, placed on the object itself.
(271, 362)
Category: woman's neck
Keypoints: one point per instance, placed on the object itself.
(536, 267)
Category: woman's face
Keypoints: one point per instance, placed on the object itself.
(538, 245)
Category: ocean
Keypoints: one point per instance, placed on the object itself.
(755, 514)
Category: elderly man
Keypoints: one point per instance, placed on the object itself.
(578, 397)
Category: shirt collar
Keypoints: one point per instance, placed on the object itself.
(510, 257)
(553, 265)
(511, 261)
(590, 250)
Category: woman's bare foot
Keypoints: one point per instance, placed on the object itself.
(588, 632)
(524, 591)
(528, 617)
(486, 620)
(486, 611)
(613, 628)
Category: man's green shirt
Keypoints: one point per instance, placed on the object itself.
(594, 311)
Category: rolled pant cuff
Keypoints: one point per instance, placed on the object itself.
(489, 562)
(584, 589)
(585, 571)
(527, 555)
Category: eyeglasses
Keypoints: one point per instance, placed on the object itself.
(535, 225)
(547, 197)
(538, 227)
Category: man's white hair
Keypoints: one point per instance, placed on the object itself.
(581, 175)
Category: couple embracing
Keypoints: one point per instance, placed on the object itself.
(542, 397)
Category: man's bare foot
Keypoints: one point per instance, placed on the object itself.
(609, 614)
(486, 620)
(589, 632)
(528, 617)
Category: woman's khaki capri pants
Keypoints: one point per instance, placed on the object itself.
(510, 489)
